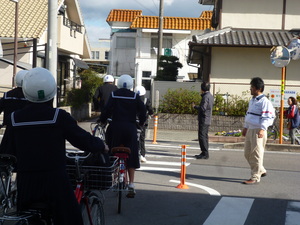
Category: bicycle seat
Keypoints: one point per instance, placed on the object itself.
(7, 160)
(120, 149)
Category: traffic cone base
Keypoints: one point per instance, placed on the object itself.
(182, 186)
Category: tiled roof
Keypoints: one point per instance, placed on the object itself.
(245, 37)
(123, 15)
(173, 23)
(206, 14)
(32, 19)
(152, 22)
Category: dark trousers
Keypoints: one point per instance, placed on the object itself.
(142, 141)
(203, 138)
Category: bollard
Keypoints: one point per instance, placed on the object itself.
(155, 129)
(182, 184)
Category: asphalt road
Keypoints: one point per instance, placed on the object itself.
(215, 194)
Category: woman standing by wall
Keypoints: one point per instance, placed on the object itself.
(293, 118)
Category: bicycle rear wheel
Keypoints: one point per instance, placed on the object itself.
(92, 209)
(121, 186)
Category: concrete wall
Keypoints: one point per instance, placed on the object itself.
(259, 14)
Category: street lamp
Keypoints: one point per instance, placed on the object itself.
(15, 41)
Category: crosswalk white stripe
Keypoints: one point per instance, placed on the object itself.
(165, 163)
(230, 211)
(148, 168)
(292, 213)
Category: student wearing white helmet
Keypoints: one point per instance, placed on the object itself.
(103, 92)
(124, 107)
(149, 111)
(37, 137)
(13, 99)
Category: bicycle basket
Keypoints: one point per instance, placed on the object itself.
(96, 177)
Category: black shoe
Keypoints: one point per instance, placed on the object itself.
(201, 156)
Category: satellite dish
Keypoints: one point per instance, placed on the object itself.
(280, 56)
(294, 48)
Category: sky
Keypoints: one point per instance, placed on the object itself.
(95, 12)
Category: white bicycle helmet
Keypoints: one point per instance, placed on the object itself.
(125, 81)
(140, 90)
(19, 77)
(108, 79)
(39, 85)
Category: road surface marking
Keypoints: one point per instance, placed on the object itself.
(165, 163)
(230, 211)
(207, 189)
(292, 213)
(148, 168)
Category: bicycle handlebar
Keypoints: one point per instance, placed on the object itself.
(75, 154)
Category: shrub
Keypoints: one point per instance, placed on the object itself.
(179, 101)
(77, 97)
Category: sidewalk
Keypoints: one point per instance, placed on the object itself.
(192, 136)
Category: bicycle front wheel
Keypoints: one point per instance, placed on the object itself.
(272, 132)
(99, 132)
(92, 209)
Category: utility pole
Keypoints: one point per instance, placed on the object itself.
(51, 54)
(160, 32)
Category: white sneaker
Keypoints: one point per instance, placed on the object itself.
(143, 159)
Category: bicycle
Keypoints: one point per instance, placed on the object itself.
(90, 202)
(37, 213)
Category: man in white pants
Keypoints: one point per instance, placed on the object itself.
(259, 117)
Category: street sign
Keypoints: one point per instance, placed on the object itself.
(275, 97)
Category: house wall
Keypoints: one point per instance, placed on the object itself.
(68, 39)
(251, 62)
(122, 59)
(259, 14)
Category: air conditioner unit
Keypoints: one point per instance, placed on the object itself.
(207, 2)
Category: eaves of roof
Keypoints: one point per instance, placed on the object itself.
(123, 15)
(32, 18)
(242, 38)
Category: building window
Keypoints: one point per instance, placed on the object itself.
(167, 43)
(106, 55)
(95, 54)
(125, 42)
(146, 73)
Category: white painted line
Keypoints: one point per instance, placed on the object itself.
(179, 147)
(292, 213)
(165, 163)
(148, 168)
(230, 211)
(207, 189)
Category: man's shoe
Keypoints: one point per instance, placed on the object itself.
(250, 181)
(201, 156)
(131, 192)
(263, 174)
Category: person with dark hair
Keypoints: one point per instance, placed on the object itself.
(204, 119)
(292, 115)
(260, 115)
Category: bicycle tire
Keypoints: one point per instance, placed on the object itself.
(297, 135)
(91, 202)
(272, 132)
(99, 132)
